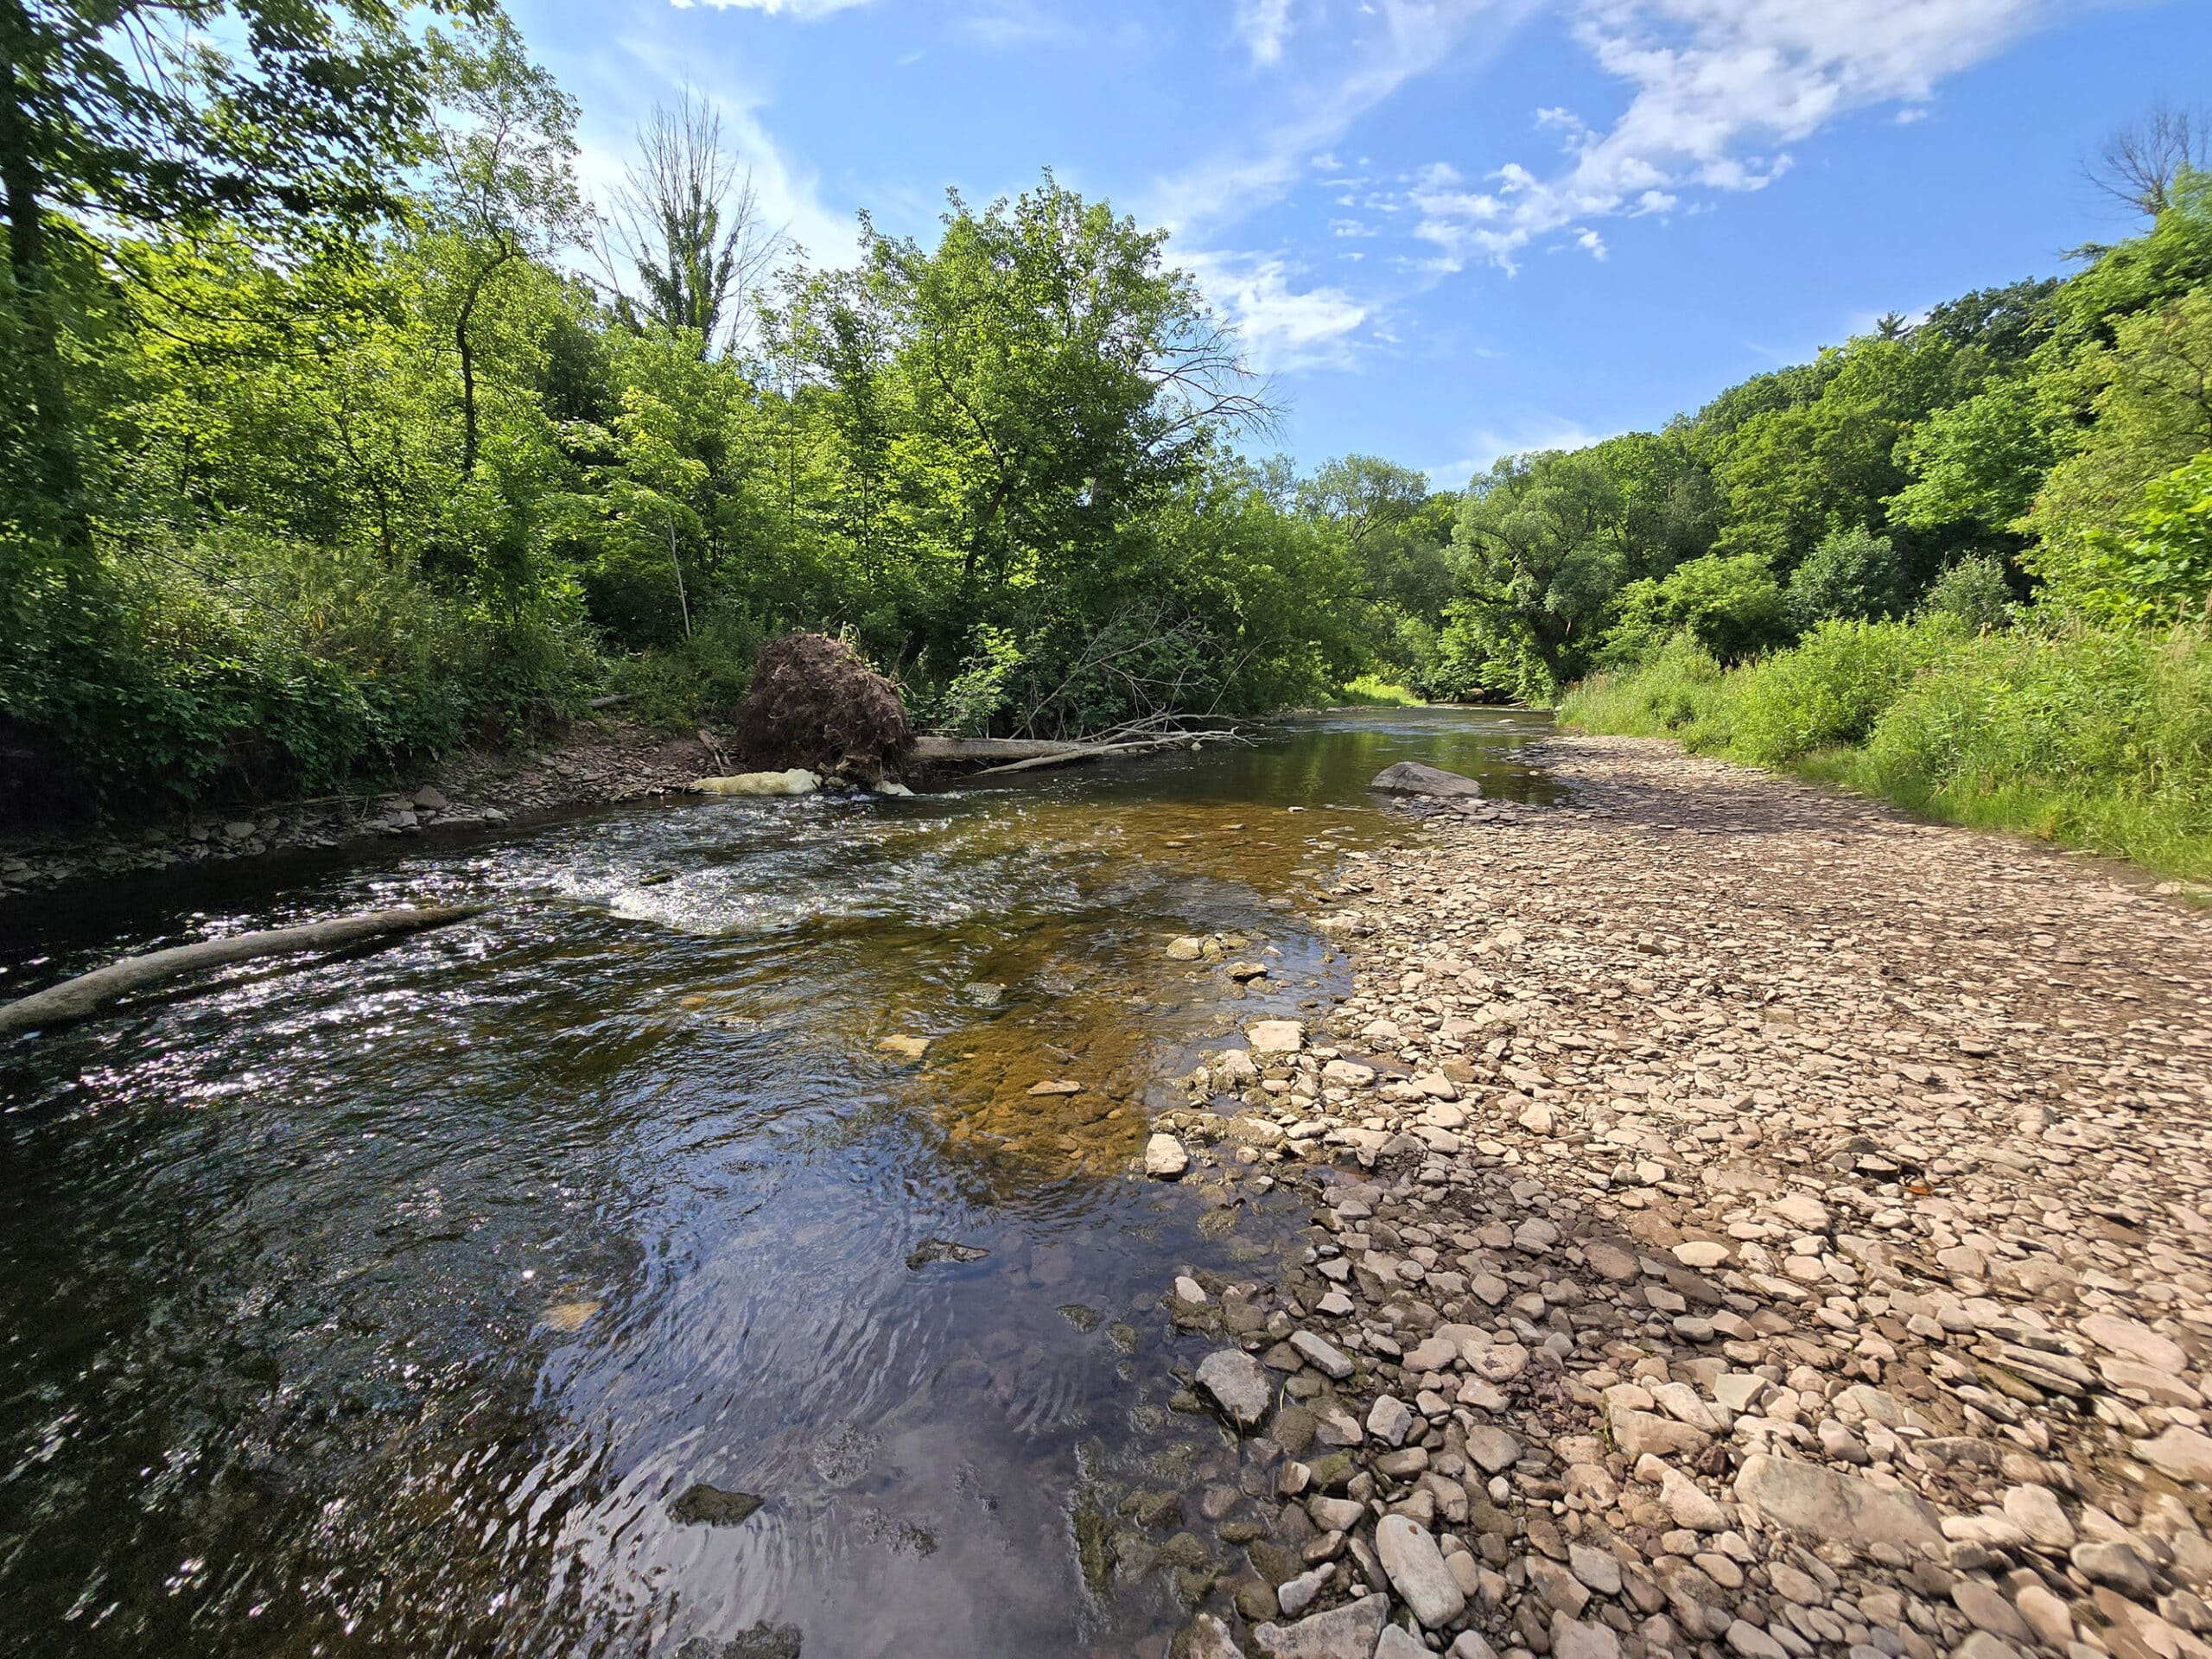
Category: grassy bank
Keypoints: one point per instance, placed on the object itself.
(2098, 740)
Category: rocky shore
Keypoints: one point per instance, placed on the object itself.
(597, 763)
(1749, 1224)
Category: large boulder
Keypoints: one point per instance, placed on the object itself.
(1411, 778)
(813, 705)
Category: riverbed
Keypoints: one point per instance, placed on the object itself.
(388, 1303)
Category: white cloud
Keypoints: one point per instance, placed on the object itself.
(1282, 327)
(1525, 437)
(1719, 88)
(1398, 40)
(1263, 25)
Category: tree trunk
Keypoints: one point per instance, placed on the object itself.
(35, 297)
(75, 998)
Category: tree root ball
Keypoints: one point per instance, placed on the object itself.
(814, 703)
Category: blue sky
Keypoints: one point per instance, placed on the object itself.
(1447, 228)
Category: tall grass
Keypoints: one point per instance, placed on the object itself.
(2095, 739)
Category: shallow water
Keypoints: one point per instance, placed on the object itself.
(382, 1304)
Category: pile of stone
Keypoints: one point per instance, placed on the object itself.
(1749, 1224)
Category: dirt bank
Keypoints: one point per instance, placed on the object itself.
(1751, 1224)
(595, 763)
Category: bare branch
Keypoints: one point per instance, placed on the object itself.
(2139, 165)
(686, 225)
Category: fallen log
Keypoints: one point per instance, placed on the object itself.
(1067, 753)
(989, 748)
(75, 998)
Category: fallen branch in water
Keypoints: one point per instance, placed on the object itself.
(75, 998)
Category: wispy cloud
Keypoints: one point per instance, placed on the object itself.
(1284, 328)
(1397, 40)
(1720, 88)
(1263, 25)
(1486, 446)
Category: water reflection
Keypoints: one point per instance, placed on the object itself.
(383, 1303)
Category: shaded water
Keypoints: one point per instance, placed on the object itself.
(382, 1304)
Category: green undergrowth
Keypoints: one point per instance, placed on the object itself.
(1373, 691)
(2094, 739)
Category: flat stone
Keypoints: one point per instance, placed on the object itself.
(1832, 1505)
(1411, 778)
(1390, 1419)
(1347, 1632)
(1746, 1639)
(1611, 1263)
(1164, 1157)
(1575, 1638)
(1321, 1354)
(1433, 1353)
(906, 1048)
(1803, 1210)
(1690, 1505)
(2036, 1511)
(1416, 1571)
(2113, 1565)
(1494, 1449)
(1397, 1643)
(1597, 1568)
(2179, 1454)
(1187, 949)
(1209, 1638)
(1238, 1386)
(1638, 1433)
(1987, 1609)
(1056, 1086)
(1982, 1645)
(1275, 1036)
(2135, 1341)
(1701, 1252)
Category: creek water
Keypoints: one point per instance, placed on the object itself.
(384, 1303)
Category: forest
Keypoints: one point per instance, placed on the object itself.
(341, 430)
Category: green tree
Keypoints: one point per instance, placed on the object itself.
(1539, 544)
(127, 115)
(502, 187)
(1791, 475)
(1851, 574)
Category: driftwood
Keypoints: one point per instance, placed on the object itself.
(75, 998)
(1066, 752)
(1026, 753)
(987, 748)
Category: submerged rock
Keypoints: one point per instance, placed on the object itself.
(763, 1641)
(932, 1250)
(702, 1505)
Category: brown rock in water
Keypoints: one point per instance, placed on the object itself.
(712, 1506)
(813, 703)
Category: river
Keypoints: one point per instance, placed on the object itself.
(384, 1304)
